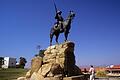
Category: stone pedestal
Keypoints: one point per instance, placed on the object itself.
(58, 61)
(80, 77)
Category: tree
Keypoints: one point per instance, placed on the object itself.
(40, 51)
(22, 62)
(1, 61)
(101, 73)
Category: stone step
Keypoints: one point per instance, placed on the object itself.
(80, 77)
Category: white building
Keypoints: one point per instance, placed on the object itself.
(9, 62)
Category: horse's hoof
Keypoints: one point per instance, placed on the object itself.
(65, 40)
(57, 43)
(50, 44)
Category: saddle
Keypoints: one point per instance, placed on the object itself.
(58, 26)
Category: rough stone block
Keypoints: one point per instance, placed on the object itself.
(52, 78)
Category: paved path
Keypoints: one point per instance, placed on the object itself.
(107, 79)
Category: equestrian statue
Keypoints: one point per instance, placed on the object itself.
(61, 26)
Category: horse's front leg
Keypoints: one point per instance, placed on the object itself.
(66, 35)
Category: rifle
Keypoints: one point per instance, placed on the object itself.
(55, 6)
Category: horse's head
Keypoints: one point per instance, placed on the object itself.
(71, 15)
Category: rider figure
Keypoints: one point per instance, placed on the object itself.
(59, 19)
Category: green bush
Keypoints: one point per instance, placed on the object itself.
(101, 74)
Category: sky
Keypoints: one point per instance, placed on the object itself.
(95, 30)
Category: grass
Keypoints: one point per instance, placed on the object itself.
(12, 73)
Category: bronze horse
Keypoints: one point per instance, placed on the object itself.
(66, 27)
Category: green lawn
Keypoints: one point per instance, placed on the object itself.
(11, 74)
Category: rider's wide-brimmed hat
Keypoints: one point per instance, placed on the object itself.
(59, 12)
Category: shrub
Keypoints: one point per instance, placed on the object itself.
(101, 74)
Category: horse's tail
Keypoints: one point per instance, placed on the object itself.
(51, 30)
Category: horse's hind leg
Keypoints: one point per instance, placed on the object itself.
(57, 35)
(51, 37)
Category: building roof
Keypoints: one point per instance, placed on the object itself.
(113, 67)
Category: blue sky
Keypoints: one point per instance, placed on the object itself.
(24, 24)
